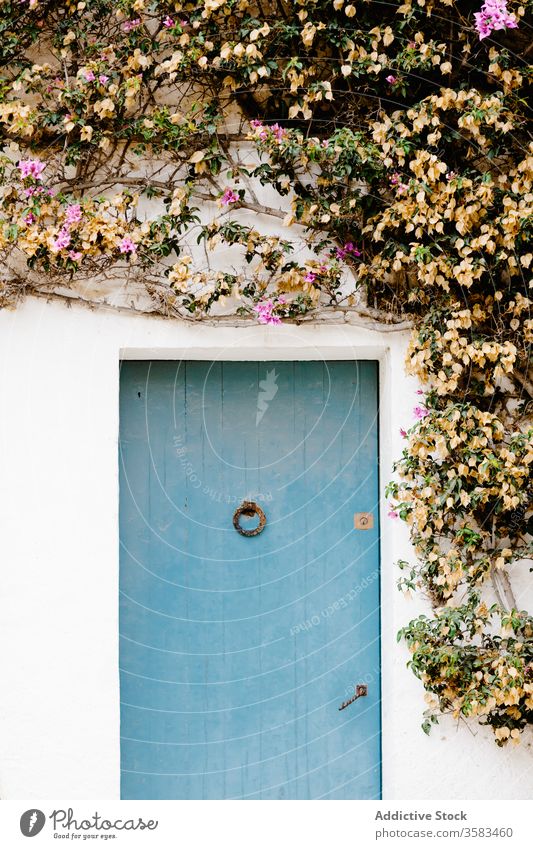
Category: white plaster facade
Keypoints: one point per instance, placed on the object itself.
(59, 700)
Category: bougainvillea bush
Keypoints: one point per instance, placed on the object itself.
(393, 139)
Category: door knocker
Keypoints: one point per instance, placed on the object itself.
(249, 508)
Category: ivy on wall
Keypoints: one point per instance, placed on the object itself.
(394, 138)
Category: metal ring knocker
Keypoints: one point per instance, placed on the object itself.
(249, 508)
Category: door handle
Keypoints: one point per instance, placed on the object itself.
(249, 508)
(360, 690)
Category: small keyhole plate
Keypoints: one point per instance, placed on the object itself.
(363, 521)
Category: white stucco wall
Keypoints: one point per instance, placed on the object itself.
(59, 699)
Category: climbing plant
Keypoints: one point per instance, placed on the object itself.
(148, 148)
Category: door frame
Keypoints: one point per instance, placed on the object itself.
(259, 344)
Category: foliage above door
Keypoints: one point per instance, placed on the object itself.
(394, 141)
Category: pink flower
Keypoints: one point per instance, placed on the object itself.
(482, 25)
(229, 197)
(396, 183)
(62, 240)
(349, 248)
(278, 132)
(127, 26)
(262, 132)
(127, 246)
(259, 128)
(75, 256)
(403, 433)
(30, 191)
(392, 514)
(89, 76)
(493, 15)
(391, 79)
(420, 412)
(103, 78)
(30, 218)
(168, 22)
(265, 315)
(310, 277)
(31, 168)
(419, 391)
(73, 214)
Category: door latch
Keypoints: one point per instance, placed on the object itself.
(360, 690)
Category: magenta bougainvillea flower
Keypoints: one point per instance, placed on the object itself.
(127, 26)
(278, 132)
(396, 183)
(229, 197)
(127, 246)
(349, 248)
(420, 412)
(263, 131)
(265, 315)
(73, 214)
(493, 15)
(31, 168)
(62, 239)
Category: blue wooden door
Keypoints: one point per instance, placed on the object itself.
(237, 651)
